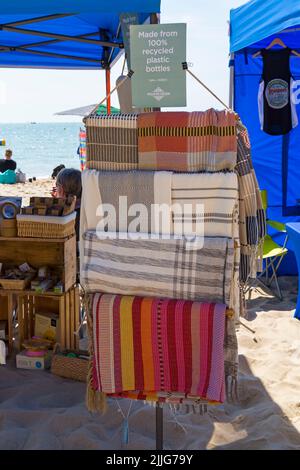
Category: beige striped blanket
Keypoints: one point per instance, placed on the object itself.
(203, 204)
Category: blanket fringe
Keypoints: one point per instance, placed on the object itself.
(186, 409)
(232, 392)
(182, 408)
(95, 401)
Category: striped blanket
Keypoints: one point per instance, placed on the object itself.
(156, 349)
(201, 204)
(252, 218)
(112, 142)
(146, 188)
(188, 142)
(205, 203)
(201, 270)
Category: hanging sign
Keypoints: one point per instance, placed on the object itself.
(157, 53)
(126, 20)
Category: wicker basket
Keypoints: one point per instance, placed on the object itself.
(36, 226)
(69, 367)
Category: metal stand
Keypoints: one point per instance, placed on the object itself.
(159, 427)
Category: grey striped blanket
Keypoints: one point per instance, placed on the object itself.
(173, 268)
(252, 220)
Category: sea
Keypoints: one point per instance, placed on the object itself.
(39, 147)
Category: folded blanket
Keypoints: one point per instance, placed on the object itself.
(201, 270)
(112, 142)
(205, 203)
(135, 188)
(201, 204)
(175, 141)
(188, 142)
(156, 348)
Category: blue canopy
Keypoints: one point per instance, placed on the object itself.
(46, 7)
(73, 34)
(276, 158)
(259, 19)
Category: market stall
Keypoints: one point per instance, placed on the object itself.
(276, 31)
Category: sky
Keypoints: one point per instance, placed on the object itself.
(28, 95)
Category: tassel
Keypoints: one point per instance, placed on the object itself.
(95, 400)
(232, 394)
(125, 432)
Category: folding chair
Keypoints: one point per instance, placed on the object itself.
(273, 253)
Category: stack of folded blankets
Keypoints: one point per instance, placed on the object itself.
(171, 226)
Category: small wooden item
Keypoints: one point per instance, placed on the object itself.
(8, 228)
(28, 210)
(16, 284)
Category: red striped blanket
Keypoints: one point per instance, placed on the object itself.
(181, 141)
(156, 349)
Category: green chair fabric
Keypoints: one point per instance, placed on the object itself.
(273, 253)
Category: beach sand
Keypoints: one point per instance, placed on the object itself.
(42, 411)
(41, 188)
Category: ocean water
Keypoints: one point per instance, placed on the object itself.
(38, 148)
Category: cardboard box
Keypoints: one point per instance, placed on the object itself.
(37, 363)
(47, 325)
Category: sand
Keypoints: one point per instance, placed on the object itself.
(41, 188)
(42, 411)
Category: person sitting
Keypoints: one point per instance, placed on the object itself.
(68, 183)
(7, 163)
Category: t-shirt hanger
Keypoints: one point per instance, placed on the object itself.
(276, 42)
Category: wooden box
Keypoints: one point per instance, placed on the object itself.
(37, 252)
(66, 306)
(3, 308)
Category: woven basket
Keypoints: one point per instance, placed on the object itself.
(35, 226)
(69, 367)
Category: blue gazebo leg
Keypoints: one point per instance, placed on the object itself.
(296, 244)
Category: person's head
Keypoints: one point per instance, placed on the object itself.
(8, 154)
(68, 183)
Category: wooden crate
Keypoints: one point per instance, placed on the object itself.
(55, 253)
(66, 305)
(8, 305)
(3, 308)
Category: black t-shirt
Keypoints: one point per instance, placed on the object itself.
(277, 96)
(7, 165)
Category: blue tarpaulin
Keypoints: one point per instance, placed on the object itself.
(276, 158)
(81, 34)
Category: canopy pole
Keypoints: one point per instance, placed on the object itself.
(108, 92)
(231, 81)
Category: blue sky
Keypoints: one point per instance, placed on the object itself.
(35, 95)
